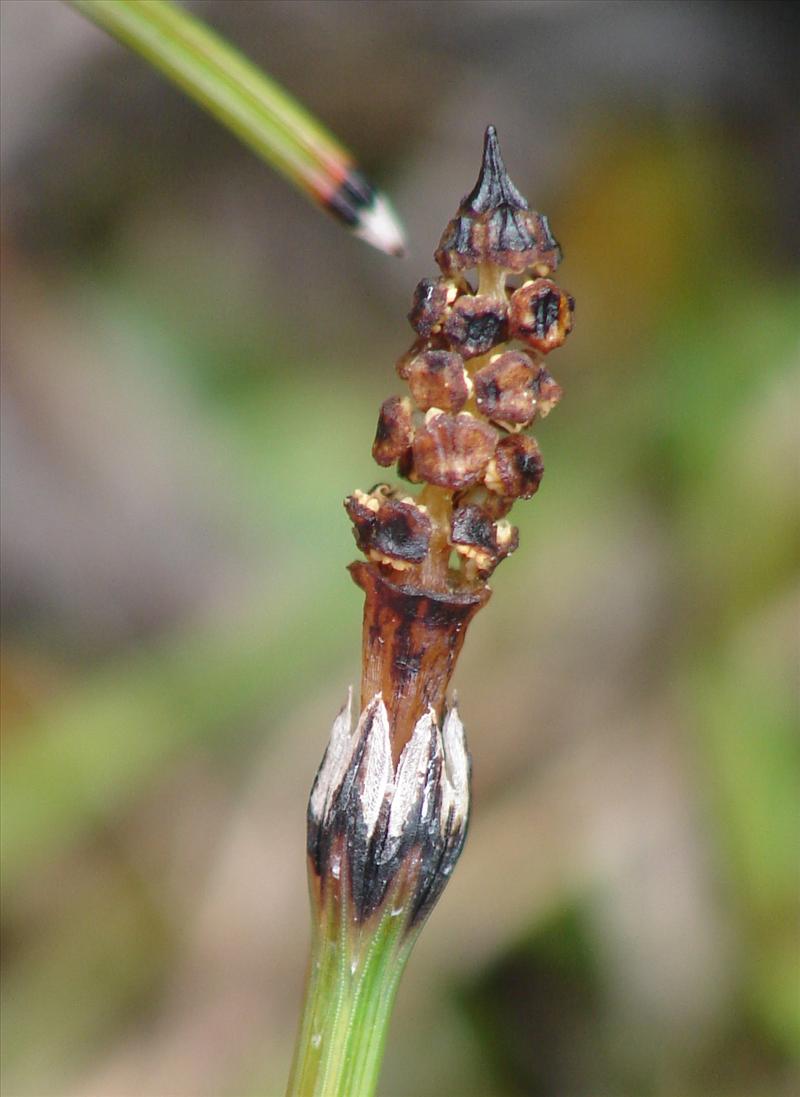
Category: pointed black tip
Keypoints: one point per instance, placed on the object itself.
(494, 224)
(493, 188)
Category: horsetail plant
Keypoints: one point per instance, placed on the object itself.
(388, 812)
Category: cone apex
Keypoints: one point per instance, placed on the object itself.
(493, 188)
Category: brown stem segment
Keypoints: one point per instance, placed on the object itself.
(411, 641)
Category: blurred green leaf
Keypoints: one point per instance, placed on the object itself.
(84, 758)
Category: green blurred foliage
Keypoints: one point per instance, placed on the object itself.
(675, 445)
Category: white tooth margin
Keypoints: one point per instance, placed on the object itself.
(412, 773)
(334, 765)
(455, 777)
(375, 771)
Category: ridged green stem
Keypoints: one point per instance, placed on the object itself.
(353, 977)
(225, 83)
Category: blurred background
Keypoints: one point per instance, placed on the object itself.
(192, 364)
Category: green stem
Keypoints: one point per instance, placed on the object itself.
(353, 978)
(226, 84)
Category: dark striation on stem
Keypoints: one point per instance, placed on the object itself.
(412, 639)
